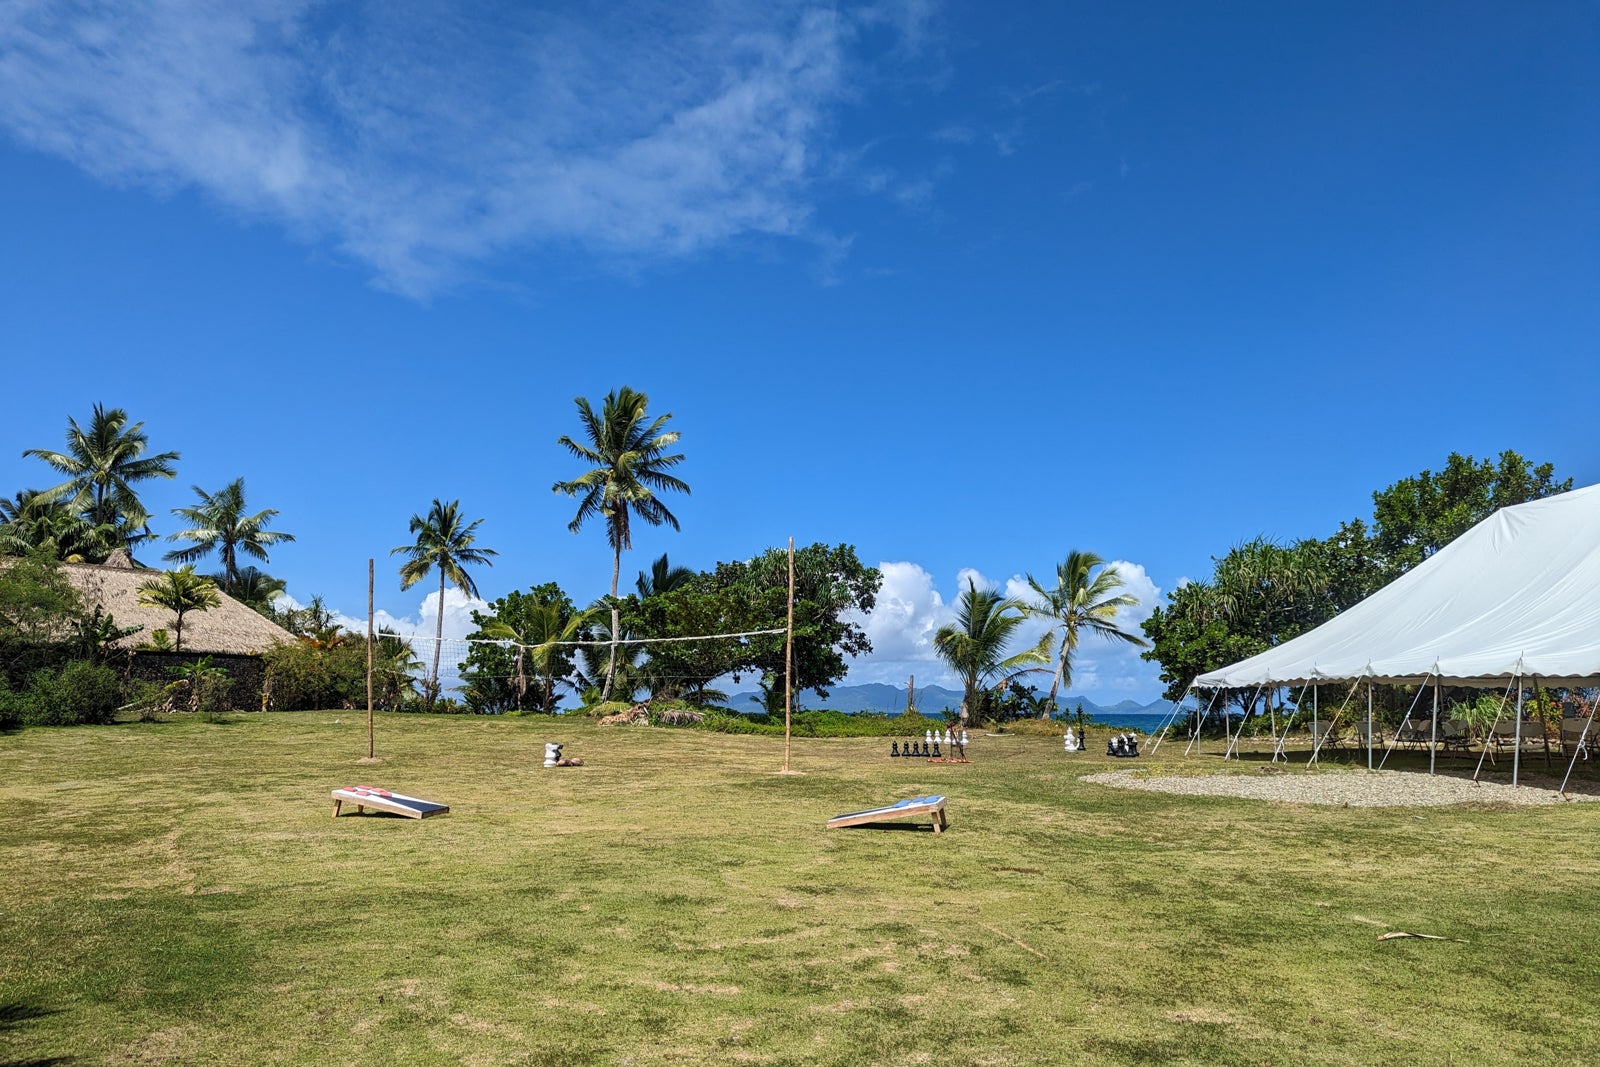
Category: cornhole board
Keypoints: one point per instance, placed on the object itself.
(933, 806)
(367, 796)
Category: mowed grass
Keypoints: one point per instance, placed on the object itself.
(177, 893)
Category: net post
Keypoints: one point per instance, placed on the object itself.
(788, 661)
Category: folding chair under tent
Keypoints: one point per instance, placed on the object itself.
(1514, 601)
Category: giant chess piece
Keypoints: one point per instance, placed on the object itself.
(894, 748)
(1133, 745)
(936, 748)
(552, 753)
(1069, 742)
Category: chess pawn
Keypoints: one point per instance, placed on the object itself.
(935, 748)
(927, 737)
(1069, 742)
(963, 739)
(947, 736)
(894, 748)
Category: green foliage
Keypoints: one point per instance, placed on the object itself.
(531, 675)
(303, 676)
(832, 588)
(444, 540)
(40, 616)
(628, 465)
(1262, 593)
(180, 592)
(219, 523)
(103, 463)
(975, 646)
(76, 693)
(201, 686)
(1417, 516)
(1081, 600)
(36, 520)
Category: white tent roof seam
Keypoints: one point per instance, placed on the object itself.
(1518, 595)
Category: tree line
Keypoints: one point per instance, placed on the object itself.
(1261, 592)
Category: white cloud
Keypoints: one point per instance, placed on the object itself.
(423, 138)
(910, 609)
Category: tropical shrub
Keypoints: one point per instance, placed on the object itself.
(79, 693)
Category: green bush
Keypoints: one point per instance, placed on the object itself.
(80, 693)
(303, 677)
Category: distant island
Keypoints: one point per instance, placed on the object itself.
(933, 699)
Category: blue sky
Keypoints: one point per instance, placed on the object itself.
(964, 288)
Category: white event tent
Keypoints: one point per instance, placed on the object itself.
(1515, 599)
(1518, 594)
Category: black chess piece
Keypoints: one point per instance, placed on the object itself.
(936, 750)
(894, 748)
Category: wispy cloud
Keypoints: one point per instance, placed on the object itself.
(423, 138)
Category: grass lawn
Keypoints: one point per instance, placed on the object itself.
(177, 893)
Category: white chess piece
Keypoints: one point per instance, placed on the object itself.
(552, 753)
(1070, 742)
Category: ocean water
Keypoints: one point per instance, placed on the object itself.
(1146, 722)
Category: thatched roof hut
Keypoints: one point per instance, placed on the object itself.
(230, 629)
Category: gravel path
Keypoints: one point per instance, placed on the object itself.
(1357, 789)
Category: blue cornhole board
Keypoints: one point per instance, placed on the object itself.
(366, 796)
(933, 806)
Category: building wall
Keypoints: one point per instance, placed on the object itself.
(246, 674)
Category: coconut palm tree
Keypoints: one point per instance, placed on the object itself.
(255, 588)
(1081, 601)
(102, 465)
(180, 591)
(662, 578)
(445, 542)
(219, 523)
(630, 465)
(32, 520)
(976, 645)
(538, 645)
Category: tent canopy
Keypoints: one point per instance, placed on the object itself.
(1518, 594)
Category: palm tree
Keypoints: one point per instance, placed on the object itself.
(445, 542)
(538, 644)
(630, 466)
(33, 520)
(1081, 601)
(180, 591)
(976, 645)
(255, 588)
(102, 464)
(219, 523)
(662, 578)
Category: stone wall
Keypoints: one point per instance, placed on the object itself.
(246, 674)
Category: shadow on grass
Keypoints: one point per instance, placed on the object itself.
(916, 828)
(12, 1016)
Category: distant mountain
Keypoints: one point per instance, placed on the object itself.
(933, 699)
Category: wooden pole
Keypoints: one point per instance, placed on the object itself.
(788, 662)
(911, 689)
(369, 658)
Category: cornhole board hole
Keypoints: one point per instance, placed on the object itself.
(933, 806)
(367, 796)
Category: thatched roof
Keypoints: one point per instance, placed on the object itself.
(231, 628)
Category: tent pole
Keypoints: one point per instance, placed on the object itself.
(1388, 749)
(1369, 726)
(1233, 741)
(1315, 691)
(1281, 741)
(1172, 719)
(1433, 741)
(1583, 737)
(1516, 753)
(1489, 741)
